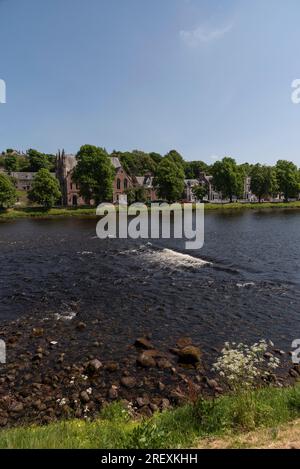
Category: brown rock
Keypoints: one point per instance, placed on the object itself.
(146, 411)
(163, 363)
(190, 355)
(80, 326)
(16, 407)
(113, 392)
(161, 386)
(293, 373)
(37, 331)
(112, 367)
(94, 366)
(146, 360)
(212, 384)
(84, 396)
(37, 357)
(144, 343)
(128, 382)
(3, 421)
(184, 342)
(165, 404)
(143, 401)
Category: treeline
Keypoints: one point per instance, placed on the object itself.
(31, 161)
(94, 174)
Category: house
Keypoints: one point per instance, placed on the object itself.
(23, 180)
(188, 194)
(146, 183)
(70, 190)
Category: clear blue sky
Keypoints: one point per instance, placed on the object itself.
(207, 77)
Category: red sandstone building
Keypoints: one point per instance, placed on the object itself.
(70, 190)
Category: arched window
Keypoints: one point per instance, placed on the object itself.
(118, 184)
(125, 183)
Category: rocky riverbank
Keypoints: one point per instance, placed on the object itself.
(56, 369)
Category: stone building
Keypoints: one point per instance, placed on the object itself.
(70, 190)
(146, 183)
(23, 180)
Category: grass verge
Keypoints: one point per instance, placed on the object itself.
(37, 212)
(179, 428)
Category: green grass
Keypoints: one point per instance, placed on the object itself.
(252, 206)
(178, 428)
(38, 212)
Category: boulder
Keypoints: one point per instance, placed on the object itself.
(143, 343)
(163, 363)
(94, 366)
(184, 342)
(189, 354)
(84, 397)
(145, 360)
(128, 382)
(113, 392)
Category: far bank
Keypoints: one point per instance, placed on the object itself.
(39, 212)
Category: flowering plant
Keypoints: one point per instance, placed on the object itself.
(241, 366)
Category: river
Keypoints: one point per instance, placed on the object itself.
(249, 290)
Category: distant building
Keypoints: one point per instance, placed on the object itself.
(189, 184)
(23, 180)
(212, 194)
(146, 182)
(70, 190)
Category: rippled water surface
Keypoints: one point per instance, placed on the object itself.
(248, 289)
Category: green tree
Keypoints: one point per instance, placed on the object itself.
(169, 180)
(263, 181)
(8, 193)
(136, 163)
(156, 157)
(45, 189)
(37, 160)
(287, 176)
(200, 191)
(193, 169)
(11, 163)
(228, 178)
(136, 194)
(176, 157)
(94, 173)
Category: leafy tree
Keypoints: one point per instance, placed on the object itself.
(8, 193)
(228, 178)
(200, 191)
(136, 194)
(193, 169)
(11, 163)
(169, 180)
(45, 189)
(176, 157)
(288, 178)
(263, 181)
(37, 160)
(156, 157)
(94, 173)
(136, 163)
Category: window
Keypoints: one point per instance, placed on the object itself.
(118, 184)
(125, 183)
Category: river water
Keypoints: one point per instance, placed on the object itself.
(249, 290)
